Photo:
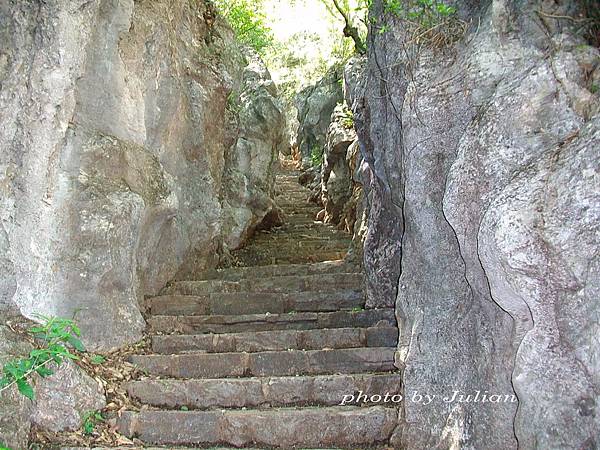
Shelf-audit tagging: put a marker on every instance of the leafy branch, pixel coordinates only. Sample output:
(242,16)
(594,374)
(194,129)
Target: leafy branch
(53,337)
(350,30)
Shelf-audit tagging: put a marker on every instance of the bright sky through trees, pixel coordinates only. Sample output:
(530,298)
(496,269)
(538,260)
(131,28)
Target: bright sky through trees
(308,38)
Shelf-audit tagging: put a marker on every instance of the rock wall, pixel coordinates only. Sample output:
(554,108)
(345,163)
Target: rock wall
(315,105)
(118,170)
(15,409)
(482,180)
(250,162)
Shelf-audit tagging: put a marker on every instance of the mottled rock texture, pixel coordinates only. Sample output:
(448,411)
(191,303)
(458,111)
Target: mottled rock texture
(15,409)
(336,174)
(250,163)
(315,105)
(118,170)
(482,179)
(63,399)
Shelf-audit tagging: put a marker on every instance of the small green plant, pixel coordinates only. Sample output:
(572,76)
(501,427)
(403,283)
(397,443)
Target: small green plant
(97,360)
(357,309)
(348,119)
(316,155)
(594,88)
(53,337)
(91,419)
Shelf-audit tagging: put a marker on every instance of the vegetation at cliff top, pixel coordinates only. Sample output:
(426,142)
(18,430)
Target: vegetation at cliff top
(248,22)
(298,39)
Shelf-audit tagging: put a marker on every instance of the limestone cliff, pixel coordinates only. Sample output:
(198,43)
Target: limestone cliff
(315,105)
(118,170)
(482,180)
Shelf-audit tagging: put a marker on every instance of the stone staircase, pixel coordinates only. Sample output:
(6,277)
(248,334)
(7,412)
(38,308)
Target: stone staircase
(261,356)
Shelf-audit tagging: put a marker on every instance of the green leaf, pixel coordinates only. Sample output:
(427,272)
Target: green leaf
(97,359)
(44,371)
(5,381)
(88,427)
(76,343)
(25,388)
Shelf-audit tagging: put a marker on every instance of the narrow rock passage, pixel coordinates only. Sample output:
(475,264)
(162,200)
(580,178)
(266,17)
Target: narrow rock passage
(301,240)
(263,355)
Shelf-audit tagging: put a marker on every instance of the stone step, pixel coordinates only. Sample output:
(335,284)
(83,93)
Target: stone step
(237,273)
(261,341)
(300,207)
(280,240)
(279,246)
(284,248)
(271,322)
(266,364)
(291,194)
(281,428)
(254,259)
(311,234)
(254,303)
(306,223)
(295,258)
(306,234)
(322,390)
(286,283)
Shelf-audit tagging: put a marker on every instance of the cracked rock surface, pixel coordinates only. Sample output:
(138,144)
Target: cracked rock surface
(125,158)
(483,192)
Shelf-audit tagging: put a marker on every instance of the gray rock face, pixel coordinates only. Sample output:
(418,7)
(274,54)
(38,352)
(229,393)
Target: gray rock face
(315,105)
(481,172)
(62,400)
(117,168)
(250,163)
(15,409)
(336,173)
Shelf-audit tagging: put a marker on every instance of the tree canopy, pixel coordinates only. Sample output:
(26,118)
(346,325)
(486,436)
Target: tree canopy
(248,22)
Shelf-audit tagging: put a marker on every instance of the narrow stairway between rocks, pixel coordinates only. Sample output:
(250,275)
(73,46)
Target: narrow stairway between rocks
(263,355)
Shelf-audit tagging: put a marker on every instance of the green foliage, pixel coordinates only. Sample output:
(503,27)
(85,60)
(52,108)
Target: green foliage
(91,419)
(3,447)
(430,22)
(316,155)
(248,22)
(55,336)
(594,88)
(97,360)
(426,12)
(348,118)
(354,14)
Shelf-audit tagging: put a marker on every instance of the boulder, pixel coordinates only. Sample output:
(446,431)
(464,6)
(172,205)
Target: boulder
(63,399)
(251,162)
(336,174)
(315,105)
